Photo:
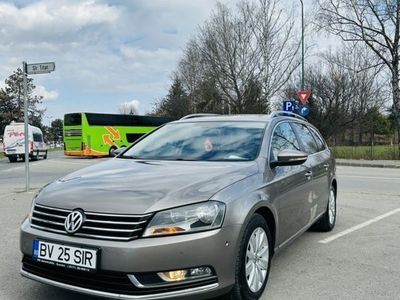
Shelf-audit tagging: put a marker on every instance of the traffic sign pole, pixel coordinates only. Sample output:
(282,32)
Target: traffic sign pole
(26,126)
(38,68)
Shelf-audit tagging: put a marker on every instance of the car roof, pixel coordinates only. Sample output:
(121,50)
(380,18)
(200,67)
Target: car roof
(240,117)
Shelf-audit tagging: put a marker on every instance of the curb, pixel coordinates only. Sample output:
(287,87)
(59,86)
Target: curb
(368,165)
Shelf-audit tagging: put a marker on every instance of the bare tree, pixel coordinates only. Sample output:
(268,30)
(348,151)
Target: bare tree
(345,87)
(240,58)
(129,107)
(376,23)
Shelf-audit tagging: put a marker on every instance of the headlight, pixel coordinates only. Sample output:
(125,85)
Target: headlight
(192,218)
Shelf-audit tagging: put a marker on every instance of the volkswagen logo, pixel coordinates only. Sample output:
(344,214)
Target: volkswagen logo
(74,221)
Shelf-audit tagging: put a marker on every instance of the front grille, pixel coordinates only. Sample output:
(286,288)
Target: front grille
(102,280)
(73,132)
(96,225)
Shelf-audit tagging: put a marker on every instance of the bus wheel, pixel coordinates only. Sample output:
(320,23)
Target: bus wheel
(111,151)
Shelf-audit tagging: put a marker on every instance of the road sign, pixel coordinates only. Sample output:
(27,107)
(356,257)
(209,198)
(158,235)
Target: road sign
(303,110)
(289,105)
(303,96)
(40,68)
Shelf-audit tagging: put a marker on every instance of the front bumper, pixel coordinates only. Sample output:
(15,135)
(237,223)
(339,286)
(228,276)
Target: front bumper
(215,248)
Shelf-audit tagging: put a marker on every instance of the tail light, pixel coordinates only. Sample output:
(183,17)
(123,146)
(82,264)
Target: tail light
(31,145)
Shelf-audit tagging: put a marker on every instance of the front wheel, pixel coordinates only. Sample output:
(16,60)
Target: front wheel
(253,261)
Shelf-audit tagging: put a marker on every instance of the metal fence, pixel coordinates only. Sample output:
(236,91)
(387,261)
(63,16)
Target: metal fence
(377,152)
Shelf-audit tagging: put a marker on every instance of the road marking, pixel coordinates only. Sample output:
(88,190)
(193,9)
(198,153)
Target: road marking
(6,195)
(359,226)
(370,177)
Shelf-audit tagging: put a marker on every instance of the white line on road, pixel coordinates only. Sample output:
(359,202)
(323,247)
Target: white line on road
(6,195)
(370,177)
(359,226)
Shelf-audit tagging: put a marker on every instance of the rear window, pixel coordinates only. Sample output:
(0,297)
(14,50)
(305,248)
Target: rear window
(37,137)
(72,120)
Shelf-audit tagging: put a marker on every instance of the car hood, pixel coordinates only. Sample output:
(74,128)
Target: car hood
(138,187)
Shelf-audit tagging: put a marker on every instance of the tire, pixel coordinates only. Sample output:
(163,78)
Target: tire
(45,155)
(12,159)
(111,151)
(328,220)
(245,288)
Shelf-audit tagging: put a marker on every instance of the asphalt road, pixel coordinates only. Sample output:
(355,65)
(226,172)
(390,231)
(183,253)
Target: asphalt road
(360,259)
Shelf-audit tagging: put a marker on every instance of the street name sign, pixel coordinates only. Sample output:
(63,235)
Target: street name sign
(303,96)
(40,68)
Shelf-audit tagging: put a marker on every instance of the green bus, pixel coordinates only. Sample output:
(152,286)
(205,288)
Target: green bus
(95,134)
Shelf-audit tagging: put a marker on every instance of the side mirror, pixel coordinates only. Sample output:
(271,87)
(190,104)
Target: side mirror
(118,151)
(289,158)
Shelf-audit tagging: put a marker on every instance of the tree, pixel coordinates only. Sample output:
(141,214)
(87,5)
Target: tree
(12,101)
(176,103)
(376,24)
(240,58)
(345,87)
(55,131)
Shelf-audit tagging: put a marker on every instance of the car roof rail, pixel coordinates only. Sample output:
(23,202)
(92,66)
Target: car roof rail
(280,113)
(198,116)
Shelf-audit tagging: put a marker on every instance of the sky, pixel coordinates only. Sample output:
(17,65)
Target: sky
(107,53)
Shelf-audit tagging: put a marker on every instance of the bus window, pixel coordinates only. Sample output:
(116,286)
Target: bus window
(72,119)
(131,137)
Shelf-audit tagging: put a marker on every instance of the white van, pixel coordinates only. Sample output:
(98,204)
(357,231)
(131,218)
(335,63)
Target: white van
(14,142)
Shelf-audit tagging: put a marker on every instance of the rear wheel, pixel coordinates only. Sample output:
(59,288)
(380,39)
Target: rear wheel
(328,220)
(45,155)
(253,261)
(12,159)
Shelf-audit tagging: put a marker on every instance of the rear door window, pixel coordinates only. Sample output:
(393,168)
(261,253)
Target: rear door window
(318,139)
(37,137)
(306,138)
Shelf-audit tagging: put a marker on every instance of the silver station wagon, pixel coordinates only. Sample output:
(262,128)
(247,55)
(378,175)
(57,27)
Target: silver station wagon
(194,210)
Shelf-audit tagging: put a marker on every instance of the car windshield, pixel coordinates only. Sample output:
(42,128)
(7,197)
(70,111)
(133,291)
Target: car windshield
(201,141)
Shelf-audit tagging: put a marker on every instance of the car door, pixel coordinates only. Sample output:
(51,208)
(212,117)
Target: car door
(315,164)
(321,171)
(291,184)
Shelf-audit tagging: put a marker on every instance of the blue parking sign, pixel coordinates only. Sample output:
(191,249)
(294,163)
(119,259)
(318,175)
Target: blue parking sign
(289,105)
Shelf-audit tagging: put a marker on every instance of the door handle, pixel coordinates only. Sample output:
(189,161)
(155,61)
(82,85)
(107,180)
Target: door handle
(326,166)
(308,175)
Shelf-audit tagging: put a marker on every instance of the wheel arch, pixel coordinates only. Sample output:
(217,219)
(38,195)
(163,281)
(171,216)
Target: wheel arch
(269,217)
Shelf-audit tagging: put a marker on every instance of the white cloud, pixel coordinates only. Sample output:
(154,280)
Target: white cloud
(46,95)
(128,107)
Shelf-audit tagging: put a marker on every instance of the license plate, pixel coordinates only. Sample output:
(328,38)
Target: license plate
(71,257)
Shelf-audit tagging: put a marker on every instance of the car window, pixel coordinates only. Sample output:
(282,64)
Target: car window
(201,141)
(318,139)
(283,138)
(306,138)
(37,137)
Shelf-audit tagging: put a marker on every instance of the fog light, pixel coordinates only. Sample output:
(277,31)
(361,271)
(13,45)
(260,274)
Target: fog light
(172,276)
(188,274)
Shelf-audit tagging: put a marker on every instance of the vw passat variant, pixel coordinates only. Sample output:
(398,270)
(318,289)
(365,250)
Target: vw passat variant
(195,209)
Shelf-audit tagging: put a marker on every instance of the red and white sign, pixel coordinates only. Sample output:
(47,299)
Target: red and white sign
(303,96)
